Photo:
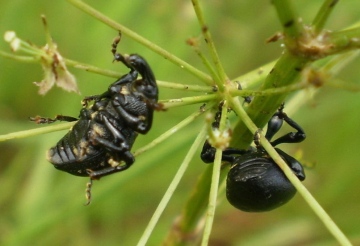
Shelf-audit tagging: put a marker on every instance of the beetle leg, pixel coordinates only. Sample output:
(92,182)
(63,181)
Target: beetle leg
(119,143)
(88,99)
(228,155)
(110,146)
(114,88)
(294,165)
(273,126)
(43,120)
(114,131)
(208,153)
(139,123)
(125,79)
(97,174)
(291,137)
(117,134)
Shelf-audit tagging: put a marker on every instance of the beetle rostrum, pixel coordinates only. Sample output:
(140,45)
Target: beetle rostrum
(255,183)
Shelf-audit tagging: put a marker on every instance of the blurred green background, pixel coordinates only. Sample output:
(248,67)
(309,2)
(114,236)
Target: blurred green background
(40,205)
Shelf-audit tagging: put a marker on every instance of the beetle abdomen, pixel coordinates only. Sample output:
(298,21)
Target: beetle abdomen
(64,158)
(258,185)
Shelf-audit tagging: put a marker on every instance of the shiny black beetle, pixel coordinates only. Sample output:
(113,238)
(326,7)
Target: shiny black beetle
(255,183)
(101,139)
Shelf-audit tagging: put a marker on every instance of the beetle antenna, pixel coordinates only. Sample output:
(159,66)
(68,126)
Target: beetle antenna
(88,192)
(115,43)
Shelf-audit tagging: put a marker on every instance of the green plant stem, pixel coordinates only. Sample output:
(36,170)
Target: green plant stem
(188,100)
(169,132)
(172,187)
(256,76)
(126,31)
(210,43)
(177,86)
(279,90)
(31,49)
(315,206)
(184,226)
(49,40)
(323,15)
(29,59)
(68,62)
(37,131)
(292,27)
(215,180)
(208,65)
(110,73)
(343,40)
(91,68)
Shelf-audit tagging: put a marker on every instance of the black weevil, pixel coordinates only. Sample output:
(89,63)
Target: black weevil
(255,183)
(99,143)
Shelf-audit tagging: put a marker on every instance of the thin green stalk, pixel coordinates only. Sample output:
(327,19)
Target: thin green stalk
(211,45)
(215,180)
(169,133)
(92,69)
(68,62)
(256,76)
(126,31)
(337,63)
(49,40)
(110,73)
(279,90)
(30,49)
(343,85)
(185,226)
(315,206)
(186,87)
(210,212)
(207,64)
(188,100)
(37,131)
(323,15)
(29,59)
(343,40)
(172,187)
